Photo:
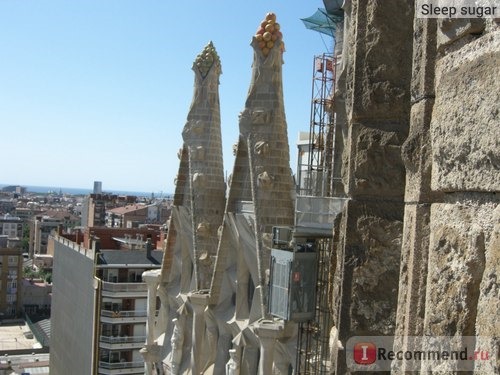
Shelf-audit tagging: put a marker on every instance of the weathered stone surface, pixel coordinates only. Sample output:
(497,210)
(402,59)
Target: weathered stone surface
(465,122)
(417,154)
(375,165)
(413,276)
(375,277)
(424,56)
(488,306)
(460,234)
(451,30)
(366,278)
(381,85)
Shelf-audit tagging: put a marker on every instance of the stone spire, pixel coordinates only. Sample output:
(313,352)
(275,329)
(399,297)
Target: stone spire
(202,136)
(200,188)
(264,133)
(261,172)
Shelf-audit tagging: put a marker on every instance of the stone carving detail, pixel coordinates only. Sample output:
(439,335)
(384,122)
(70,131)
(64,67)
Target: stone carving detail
(206,59)
(269,35)
(177,341)
(152,354)
(267,239)
(265,180)
(198,180)
(198,153)
(203,229)
(261,148)
(261,116)
(193,128)
(233,365)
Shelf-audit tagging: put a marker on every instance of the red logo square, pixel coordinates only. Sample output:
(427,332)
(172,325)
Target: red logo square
(365,353)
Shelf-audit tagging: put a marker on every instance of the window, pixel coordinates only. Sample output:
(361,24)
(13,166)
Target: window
(13,259)
(106,329)
(11,310)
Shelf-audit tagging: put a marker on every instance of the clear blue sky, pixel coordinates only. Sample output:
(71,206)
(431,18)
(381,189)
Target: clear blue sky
(100,89)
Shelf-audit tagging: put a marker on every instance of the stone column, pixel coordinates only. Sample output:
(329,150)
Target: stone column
(177,342)
(152,279)
(268,331)
(199,303)
(233,365)
(164,313)
(377,108)
(418,195)
(224,344)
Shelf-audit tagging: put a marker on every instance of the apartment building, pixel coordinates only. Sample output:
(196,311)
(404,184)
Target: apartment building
(99,305)
(95,206)
(133,215)
(40,228)
(42,225)
(11,263)
(11,226)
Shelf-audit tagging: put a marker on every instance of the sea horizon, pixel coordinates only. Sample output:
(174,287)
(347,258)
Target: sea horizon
(84,191)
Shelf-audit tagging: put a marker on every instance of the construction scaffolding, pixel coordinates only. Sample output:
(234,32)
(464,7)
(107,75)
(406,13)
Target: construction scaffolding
(316,156)
(315,179)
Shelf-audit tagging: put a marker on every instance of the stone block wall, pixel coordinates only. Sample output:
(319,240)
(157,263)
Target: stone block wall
(377,60)
(417,246)
(450,253)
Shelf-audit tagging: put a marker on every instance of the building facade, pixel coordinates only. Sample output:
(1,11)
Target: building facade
(95,206)
(11,226)
(11,263)
(41,227)
(131,216)
(99,306)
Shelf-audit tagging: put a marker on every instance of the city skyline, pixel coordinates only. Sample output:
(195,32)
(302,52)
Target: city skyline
(101,90)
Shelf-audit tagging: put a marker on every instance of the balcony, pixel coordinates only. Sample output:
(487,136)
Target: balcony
(124,290)
(122,342)
(119,365)
(124,316)
(117,368)
(124,287)
(124,313)
(123,339)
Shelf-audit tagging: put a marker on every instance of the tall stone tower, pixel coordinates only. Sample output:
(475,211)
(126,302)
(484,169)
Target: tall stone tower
(199,198)
(213,284)
(202,137)
(260,197)
(197,212)
(262,175)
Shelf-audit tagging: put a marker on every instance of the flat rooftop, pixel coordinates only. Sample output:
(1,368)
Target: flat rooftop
(16,337)
(37,363)
(131,257)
